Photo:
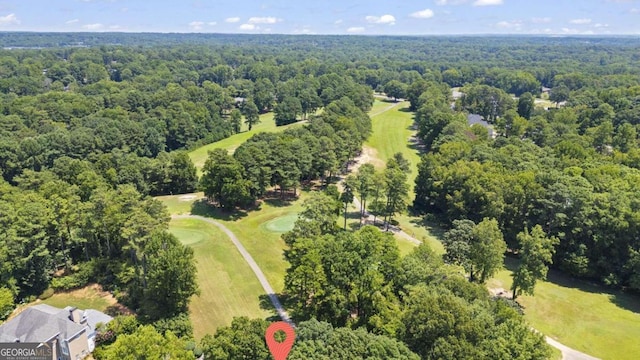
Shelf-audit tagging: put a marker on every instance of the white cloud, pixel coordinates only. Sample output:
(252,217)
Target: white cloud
(232,19)
(384,19)
(338,22)
(598,25)
(450,2)
(96,26)
(248,27)
(576,31)
(10,19)
(422,14)
(355,29)
(580,21)
(634,11)
(212,23)
(487,2)
(196,25)
(542,20)
(264,20)
(72,21)
(513,24)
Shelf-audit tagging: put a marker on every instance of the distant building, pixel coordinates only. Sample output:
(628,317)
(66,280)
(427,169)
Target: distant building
(70,332)
(475,119)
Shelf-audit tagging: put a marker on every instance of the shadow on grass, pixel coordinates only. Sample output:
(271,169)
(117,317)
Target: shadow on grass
(265,304)
(434,228)
(405,110)
(622,299)
(203,208)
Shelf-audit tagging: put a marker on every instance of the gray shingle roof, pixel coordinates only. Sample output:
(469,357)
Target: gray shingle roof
(42,322)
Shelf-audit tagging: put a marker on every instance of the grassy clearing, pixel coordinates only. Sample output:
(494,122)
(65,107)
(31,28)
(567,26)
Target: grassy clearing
(89,297)
(228,286)
(584,316)
(180,204)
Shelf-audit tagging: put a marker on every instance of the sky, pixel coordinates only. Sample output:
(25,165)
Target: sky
(373,17)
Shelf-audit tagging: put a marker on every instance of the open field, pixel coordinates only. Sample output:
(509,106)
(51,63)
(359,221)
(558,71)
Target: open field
(228,286)
(584,316)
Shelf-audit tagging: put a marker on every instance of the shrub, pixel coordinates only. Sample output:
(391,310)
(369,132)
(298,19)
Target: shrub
(47,293)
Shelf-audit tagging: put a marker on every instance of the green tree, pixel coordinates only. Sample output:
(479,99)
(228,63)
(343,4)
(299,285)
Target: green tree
(287,111)
(250,112)
(182,173)
(536,253)
(235,118)
(223,181)
(478,248)
(487,250)
(526,104)
(146,343)
(396,187)
(346,197)
(244,339)
(395,89)
(6,303)
(171,277)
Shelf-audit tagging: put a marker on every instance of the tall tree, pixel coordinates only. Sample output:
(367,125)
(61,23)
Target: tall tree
(478,248)
(526,105)
(250,112)
(487,250)
(346,198)
(287,111)
(396,186)
(171,277)
(395,89)
(536,253)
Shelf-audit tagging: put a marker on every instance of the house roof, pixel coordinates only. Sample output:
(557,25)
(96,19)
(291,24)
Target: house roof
(43,322)
(94,317)
(476,119)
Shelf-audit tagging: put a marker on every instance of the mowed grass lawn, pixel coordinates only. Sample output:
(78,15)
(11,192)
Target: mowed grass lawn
(587,317)
(228,286)
(89,297)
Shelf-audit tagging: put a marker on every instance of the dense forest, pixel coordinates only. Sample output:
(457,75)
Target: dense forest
(93,125)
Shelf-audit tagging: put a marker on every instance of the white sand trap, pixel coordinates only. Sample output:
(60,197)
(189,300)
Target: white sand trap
(187,197)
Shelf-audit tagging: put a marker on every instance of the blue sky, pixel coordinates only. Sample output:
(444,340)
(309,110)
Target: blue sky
(400,17)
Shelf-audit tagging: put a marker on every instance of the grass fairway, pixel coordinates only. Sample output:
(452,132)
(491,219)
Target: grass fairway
(392,130)
(267,124)
(586,317)
(228,286)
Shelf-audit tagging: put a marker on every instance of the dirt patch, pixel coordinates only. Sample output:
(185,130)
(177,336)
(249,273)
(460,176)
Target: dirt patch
(501,292)
(368,155)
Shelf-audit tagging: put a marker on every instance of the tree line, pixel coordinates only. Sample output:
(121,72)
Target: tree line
(567,173)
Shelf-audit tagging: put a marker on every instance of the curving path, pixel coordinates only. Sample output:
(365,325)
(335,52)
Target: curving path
(252,263)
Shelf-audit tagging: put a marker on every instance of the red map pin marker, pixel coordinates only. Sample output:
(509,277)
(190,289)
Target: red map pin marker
(280,350)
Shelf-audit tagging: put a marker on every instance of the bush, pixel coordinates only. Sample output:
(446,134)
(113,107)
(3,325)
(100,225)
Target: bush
(47,294)
(81,276)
